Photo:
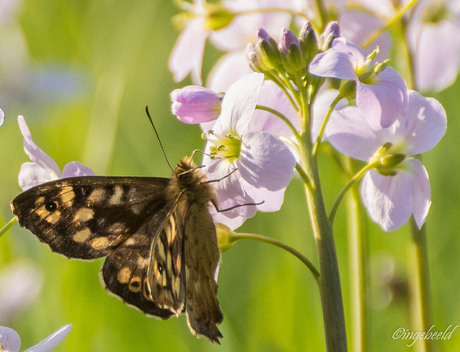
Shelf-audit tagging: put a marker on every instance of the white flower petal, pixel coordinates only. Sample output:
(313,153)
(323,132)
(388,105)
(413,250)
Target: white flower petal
(421,192)
(388,199)
(271,200)
(9,339)
(227,70)
(424,124)
(51,341)
(239,104)
(33,174)
(187,54)
(265,161)
(20,284)
(75,168)
(349,132)
(35,153)
(2,117)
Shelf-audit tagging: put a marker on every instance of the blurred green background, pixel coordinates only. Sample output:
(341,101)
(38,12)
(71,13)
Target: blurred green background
(81,73)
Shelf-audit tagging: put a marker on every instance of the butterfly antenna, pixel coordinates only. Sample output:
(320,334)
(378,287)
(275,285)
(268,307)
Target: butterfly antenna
(158,136)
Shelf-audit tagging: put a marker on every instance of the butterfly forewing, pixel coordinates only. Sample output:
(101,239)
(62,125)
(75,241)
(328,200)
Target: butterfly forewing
(201,265)
(87,217)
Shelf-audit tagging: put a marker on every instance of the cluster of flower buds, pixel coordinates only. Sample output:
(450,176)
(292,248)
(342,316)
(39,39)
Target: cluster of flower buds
(291,54)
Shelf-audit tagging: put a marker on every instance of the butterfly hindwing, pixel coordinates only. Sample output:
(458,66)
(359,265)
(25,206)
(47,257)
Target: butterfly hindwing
(166,267)
(125,272)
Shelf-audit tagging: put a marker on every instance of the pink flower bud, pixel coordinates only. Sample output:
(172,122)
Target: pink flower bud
(195,104)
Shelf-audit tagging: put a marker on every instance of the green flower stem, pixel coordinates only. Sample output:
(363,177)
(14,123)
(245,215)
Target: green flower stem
(326,119)
(251,236)
(271,10)
(329,281)
(8,225)
(282,117)
(342,193)
(359,264)
(322,13)
(421,310)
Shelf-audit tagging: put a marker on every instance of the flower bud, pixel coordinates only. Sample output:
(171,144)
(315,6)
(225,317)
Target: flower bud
(308,42)
(253,59)
(291,52)
(195,104)
(267,51)
(331,32)
(390,161)
(224,238)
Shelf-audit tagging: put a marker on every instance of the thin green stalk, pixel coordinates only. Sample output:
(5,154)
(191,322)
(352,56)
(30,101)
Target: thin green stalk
(271,10)
(321,12)
(421,309)
(330,287)
(282,117)
(390,23)
(293,251)
(359,264)
(344,190)
(8,225)
(325,121)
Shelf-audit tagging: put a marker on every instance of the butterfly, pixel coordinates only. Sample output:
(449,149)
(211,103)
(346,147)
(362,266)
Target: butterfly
(156,233)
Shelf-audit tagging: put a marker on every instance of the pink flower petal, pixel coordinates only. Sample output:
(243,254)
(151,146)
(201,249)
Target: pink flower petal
(195,104)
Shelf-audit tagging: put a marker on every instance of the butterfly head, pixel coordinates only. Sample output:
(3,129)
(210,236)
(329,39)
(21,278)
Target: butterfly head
(188,179)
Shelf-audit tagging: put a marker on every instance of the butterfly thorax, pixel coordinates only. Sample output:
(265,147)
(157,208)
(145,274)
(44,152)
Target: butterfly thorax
(190,184)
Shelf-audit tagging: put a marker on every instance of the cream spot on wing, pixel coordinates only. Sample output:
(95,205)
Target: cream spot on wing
(137,208)
(123,275)
(49,217)
(99,243)
(67,195)
(82,235)
(97,196)
(115,199)
(53,217)
(143,262)
(39,201)
(117,228)
(83,214)
(135,284)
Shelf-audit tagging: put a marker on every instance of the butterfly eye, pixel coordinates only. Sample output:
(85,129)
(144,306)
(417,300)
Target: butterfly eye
(160,268)
(51,206)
